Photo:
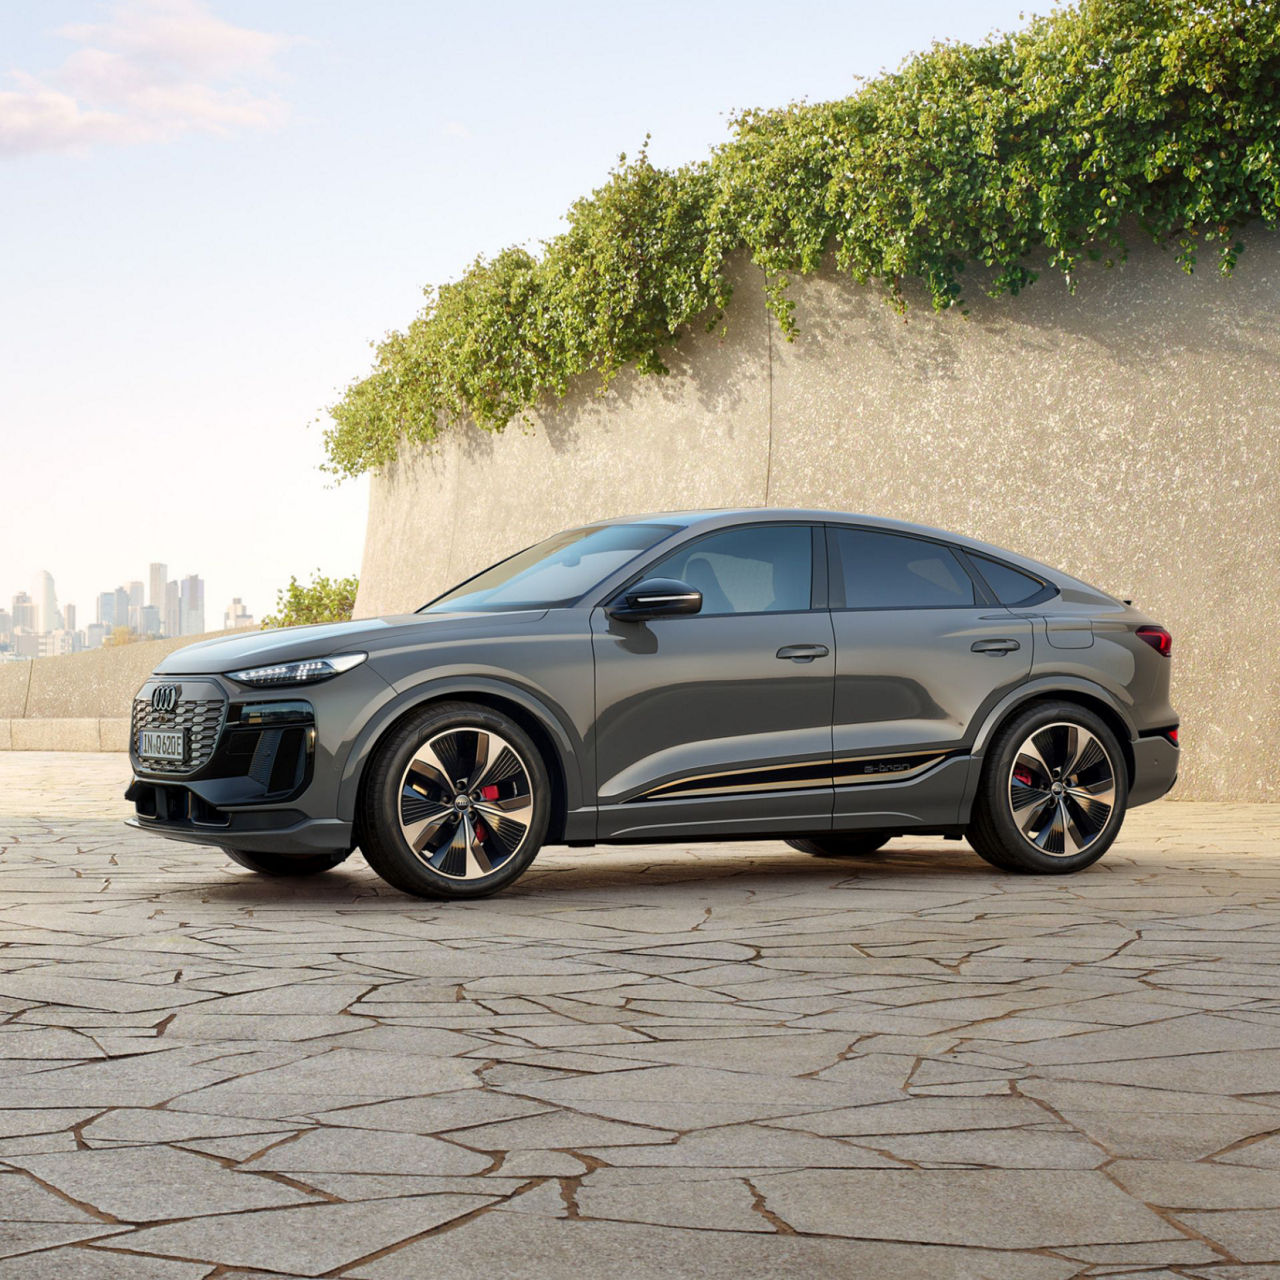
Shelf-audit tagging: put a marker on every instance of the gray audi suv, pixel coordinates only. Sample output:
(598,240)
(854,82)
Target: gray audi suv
(830,680)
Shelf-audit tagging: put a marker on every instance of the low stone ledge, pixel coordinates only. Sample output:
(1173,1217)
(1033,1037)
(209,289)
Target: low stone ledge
(15,682)
(65,734)
(98,683)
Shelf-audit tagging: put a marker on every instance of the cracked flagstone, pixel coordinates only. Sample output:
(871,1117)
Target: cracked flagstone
(715,1061)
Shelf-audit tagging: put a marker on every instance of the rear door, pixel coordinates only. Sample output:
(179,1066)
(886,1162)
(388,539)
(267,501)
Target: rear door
(922,652)
(720,722)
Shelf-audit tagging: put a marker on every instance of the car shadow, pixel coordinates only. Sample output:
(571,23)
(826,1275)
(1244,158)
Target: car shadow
(616,872)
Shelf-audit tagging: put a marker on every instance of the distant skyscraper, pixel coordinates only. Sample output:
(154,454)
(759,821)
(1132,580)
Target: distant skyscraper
(121,610)
(69,617)
(236,616)
(192,605)
(172,609)
(159,575)
(107,609)
(24,612)
(6,624)
(149,623)
(46,602)
(137,601)
(94,634)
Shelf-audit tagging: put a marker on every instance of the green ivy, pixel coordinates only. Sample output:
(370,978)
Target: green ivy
(1045,144)
(320,600)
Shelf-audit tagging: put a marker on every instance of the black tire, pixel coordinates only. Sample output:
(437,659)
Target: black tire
(1049,800)
(280,864)
(852,844)
(483,834)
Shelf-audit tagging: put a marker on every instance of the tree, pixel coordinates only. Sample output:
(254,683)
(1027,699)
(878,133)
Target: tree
(320,600)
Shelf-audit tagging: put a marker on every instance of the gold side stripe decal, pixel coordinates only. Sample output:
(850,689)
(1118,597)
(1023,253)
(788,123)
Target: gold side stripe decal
(848,772)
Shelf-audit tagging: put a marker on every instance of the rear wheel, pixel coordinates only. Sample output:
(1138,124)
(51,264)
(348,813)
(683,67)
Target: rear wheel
(279,864)
(1053,792)
(852,844)
(456,803)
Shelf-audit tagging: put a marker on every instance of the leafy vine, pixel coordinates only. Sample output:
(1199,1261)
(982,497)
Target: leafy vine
(1158,114)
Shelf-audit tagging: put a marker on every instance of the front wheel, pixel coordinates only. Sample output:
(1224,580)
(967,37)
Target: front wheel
(1053,792)
(456,804)
(279,864)
(852,844)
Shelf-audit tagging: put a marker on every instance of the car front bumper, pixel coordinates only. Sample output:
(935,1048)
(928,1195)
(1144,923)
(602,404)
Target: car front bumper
(285,831)
(263,768)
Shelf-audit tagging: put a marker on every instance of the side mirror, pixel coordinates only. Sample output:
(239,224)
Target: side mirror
(655,598)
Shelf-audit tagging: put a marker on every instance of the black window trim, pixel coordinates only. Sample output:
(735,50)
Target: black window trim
(984,597)
(818,569)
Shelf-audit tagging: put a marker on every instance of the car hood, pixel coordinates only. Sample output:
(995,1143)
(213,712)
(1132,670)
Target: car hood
(289,644)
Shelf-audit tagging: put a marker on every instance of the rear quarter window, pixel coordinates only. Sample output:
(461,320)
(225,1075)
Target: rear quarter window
(1011,586)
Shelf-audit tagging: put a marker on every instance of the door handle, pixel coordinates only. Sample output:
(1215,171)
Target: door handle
(803,652)
(994,646)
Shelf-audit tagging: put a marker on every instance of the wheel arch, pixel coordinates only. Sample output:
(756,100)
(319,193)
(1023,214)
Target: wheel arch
(558,747)
(1089,696)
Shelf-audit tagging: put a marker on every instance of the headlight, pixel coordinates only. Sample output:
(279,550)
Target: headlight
(308,671)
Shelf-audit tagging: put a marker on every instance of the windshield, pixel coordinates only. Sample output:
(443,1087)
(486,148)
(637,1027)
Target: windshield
(553,573)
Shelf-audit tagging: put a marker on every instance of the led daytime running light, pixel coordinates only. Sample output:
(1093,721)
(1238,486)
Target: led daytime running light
(306,671)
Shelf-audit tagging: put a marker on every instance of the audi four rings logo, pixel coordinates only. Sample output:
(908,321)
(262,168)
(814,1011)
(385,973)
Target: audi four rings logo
(164,697)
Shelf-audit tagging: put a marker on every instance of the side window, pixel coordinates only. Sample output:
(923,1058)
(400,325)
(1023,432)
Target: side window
(757,569)
(890,571)
(1011,586)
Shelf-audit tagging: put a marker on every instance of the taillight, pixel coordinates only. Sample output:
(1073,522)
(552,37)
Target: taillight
(1158,638)
(1172,735)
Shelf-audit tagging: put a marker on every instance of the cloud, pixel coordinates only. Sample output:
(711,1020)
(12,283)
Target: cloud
(155,69)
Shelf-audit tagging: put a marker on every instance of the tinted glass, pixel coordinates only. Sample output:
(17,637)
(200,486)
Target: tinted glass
(888,571)
(762,569)
(553,573)
(1011,586)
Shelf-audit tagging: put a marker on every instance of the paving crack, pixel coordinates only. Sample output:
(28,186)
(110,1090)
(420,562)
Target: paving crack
(758,1205)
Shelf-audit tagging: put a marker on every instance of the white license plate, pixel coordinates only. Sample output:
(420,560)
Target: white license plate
(163,744)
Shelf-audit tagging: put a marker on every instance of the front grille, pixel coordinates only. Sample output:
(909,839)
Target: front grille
(201,718)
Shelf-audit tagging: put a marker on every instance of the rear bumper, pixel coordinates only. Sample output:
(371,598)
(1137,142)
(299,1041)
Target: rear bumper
(1155,769)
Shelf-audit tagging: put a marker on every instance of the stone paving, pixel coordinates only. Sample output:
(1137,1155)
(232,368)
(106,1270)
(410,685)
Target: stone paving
(724,1061)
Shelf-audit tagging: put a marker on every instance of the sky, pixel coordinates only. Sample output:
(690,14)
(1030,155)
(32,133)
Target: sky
(209,210)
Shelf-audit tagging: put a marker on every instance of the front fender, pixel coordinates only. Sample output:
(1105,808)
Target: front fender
(553,719)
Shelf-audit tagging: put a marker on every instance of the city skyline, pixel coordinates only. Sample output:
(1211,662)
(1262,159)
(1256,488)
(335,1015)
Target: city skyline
(36,625)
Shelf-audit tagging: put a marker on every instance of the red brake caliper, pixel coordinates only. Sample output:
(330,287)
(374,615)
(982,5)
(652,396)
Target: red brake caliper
(486,793)
(1023,776)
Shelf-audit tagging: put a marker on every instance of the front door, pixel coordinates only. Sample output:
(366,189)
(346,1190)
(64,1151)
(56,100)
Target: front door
(720,722)
(919,660)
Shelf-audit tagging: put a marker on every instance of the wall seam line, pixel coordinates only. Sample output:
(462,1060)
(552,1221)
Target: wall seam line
(768,466)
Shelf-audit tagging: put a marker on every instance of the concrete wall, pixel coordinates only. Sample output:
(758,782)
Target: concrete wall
(79,702)
(1129,434)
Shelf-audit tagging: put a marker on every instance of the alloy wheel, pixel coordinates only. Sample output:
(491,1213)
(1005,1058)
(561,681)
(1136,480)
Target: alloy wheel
(1062,789)
(466,803)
